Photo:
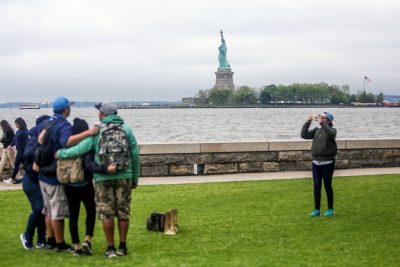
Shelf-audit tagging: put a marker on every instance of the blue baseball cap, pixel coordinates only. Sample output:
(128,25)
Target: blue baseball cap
(61,103)
(329,116)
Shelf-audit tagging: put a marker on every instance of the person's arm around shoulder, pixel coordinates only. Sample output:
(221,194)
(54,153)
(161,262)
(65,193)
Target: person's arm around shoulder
(79,149)
(74,139)
(305,133)
(134,157)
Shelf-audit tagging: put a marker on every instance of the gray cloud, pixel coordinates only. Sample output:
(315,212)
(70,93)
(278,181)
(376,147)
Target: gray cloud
(165,50)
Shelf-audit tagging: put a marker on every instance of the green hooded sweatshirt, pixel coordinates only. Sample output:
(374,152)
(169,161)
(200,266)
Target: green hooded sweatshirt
(92,142)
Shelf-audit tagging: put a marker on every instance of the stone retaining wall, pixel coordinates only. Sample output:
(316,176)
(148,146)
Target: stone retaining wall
(241,157)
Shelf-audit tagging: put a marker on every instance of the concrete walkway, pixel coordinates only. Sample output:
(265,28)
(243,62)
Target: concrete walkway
(242,177)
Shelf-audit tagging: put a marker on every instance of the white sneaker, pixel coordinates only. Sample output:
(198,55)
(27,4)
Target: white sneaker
(9,181)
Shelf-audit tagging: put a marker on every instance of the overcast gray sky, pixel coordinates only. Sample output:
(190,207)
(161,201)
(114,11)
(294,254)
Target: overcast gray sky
(164,50)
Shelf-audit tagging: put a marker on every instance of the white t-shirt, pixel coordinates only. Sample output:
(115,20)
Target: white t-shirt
(322,162)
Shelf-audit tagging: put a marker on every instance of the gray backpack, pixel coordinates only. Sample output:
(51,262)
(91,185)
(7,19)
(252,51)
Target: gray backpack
(114,146)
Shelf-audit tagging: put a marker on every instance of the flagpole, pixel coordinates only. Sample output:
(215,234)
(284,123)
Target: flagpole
(364,89)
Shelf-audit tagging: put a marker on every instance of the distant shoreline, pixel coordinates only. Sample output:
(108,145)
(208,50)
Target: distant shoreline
(227,107)
(241,107)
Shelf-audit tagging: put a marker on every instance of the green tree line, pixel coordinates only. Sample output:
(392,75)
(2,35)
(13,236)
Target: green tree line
(294,94)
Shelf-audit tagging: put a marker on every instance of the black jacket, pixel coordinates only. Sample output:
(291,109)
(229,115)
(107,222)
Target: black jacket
(324,141)
(90,166)
(7,139)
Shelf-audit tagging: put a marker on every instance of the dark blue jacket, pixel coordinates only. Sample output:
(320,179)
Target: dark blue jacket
(60,134)
(20,140)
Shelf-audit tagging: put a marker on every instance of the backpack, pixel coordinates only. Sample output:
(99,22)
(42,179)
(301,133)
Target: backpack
(44,155)
(163,222)
(70,171)
(155,222)
(114,146)
(29,151)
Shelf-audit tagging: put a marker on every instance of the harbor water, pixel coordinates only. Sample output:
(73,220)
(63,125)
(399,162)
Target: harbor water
(234,124)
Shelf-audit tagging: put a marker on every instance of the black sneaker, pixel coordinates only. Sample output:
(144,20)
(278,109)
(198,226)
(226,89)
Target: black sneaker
(17,181)
(51,243)
(111,252)
(64,247)
(87,247)
(122,251)
(51,246)
(78,252)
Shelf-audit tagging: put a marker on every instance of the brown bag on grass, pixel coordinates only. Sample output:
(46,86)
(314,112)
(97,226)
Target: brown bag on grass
(171,222)
(163,222)
(70,171)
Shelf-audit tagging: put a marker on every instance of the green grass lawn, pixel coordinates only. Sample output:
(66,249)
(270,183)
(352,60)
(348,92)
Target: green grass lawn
(262,223)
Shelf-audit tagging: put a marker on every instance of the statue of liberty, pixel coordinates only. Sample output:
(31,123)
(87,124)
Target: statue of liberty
(223,62)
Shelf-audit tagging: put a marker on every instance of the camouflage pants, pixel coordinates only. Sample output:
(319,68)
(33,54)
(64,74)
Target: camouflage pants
(113,199)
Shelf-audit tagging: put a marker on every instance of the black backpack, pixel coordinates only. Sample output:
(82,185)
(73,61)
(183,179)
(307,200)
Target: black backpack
(155,222)
(44,155)
(29,151)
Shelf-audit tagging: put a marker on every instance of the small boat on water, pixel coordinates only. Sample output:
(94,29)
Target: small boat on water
(29,106)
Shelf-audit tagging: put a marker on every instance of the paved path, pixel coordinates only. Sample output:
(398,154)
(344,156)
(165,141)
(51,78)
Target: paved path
(242,177)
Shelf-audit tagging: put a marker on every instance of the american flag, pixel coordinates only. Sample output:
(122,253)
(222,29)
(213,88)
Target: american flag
(367,79)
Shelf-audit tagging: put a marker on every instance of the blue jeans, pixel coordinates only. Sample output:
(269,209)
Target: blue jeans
(36,218)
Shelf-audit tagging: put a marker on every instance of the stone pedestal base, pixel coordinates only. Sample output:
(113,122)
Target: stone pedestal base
(224,79)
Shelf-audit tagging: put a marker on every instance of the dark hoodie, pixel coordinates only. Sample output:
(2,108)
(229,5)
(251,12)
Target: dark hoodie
(30,148)
(21,136)
(20,140)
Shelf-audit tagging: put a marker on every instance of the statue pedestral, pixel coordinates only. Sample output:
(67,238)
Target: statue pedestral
(224,79)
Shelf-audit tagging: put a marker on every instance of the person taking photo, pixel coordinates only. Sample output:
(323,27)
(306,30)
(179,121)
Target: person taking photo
(323,151)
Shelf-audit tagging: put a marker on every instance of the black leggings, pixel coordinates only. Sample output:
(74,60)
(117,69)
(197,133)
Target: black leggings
(323,172)
(76,195)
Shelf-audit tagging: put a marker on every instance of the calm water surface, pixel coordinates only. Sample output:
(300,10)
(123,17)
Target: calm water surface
(208,125)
